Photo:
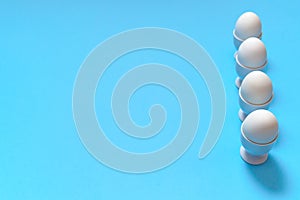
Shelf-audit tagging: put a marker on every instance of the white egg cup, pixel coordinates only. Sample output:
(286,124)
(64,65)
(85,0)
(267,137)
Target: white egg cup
(255,153)
(247,107)
(242,71)
(236,40)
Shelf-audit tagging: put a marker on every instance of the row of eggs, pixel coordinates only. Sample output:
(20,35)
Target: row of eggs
(259,130)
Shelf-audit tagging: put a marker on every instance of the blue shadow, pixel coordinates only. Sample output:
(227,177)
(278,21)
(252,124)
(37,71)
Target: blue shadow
(270,175)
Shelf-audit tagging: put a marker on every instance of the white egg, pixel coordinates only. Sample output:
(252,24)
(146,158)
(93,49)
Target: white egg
(260,126)
(252,53)
(248,25)
(256,88)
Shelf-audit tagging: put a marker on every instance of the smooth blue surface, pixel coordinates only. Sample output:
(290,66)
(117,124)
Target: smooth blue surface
(42,45)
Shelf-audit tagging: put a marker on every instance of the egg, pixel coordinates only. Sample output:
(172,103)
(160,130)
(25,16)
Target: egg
(259,132)
(252,53)
(260,127)
(256,88)
(248,25)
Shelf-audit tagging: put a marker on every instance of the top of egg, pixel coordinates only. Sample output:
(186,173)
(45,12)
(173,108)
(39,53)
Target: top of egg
(248,25)
(252,53)
(256,88)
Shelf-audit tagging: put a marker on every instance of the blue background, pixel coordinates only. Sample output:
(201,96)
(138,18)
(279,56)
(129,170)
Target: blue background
(42,45)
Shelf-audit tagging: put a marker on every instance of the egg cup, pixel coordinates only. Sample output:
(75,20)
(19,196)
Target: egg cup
(255,153)
(247,107)
(238,41)
(242,71)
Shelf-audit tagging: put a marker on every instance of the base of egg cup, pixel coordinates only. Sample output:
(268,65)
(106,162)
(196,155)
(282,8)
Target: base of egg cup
(238,82)
(242,115)
(243,71)
(235,54)
(252,159)
(247,107)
